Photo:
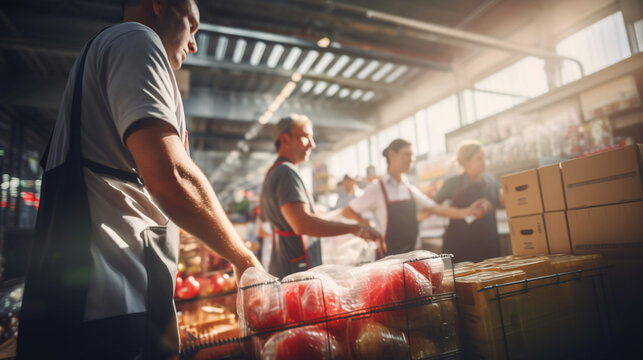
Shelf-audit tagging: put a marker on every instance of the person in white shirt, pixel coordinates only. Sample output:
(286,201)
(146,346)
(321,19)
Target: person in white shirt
(118,180)
(395,203)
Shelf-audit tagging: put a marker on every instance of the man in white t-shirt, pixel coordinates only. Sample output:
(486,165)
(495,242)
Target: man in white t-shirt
(133,132)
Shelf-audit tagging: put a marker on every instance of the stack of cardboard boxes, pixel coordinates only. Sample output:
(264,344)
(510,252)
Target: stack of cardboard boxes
(587,205)
(594,205)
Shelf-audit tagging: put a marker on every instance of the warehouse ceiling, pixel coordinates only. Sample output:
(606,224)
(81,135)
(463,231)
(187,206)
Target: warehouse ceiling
(339,62)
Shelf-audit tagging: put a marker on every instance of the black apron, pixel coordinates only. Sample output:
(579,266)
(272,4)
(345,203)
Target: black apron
(401,224)
(292,253)
(60,265)
(475,241)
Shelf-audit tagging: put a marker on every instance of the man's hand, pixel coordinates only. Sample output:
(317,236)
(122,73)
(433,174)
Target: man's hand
(251,261)
(369,234)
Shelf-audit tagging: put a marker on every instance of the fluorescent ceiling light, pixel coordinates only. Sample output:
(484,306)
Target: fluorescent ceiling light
(202,41)
(338,65)
(306,86)
(257,53)
(239,50)
(292,57)
(321,85)
(379,74)
(344,93)
(368,69)
(275,55)
(368,96)
(332,90)
(396,74)
(323,62)
(222,44)
(308,61)
(357,94)
(356,64)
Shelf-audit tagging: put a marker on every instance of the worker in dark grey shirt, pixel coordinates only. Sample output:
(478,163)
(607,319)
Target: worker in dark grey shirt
(475,240)
(288,205)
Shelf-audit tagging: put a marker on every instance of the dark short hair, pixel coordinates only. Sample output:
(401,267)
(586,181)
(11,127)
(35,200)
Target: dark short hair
(395,145)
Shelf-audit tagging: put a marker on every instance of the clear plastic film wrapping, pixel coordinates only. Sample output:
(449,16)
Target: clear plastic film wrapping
(399,307)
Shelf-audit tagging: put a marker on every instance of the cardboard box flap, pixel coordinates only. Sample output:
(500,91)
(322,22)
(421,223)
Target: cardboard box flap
(603,178)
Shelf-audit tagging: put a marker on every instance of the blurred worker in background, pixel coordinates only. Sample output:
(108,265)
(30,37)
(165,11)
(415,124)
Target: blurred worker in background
(478,239)
(289,207)
(347,191)
(396,203)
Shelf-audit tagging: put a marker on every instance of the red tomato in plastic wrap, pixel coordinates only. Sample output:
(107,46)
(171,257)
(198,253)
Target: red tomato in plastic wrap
(389,285)
(432,269)
(309,343)
(314,299)
(264,306)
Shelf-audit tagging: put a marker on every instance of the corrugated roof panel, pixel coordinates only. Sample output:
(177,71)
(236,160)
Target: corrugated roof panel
(368,69)
(291,59)
(222,45)
(353,67)
(323,62)
(275,55)
(257,53)
(239,50)
(379,74)
(308,61)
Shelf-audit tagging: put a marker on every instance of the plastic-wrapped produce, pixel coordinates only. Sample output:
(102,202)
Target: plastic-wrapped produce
(310,296)
(308,342)
(372,340)
(261,303)
(363,312)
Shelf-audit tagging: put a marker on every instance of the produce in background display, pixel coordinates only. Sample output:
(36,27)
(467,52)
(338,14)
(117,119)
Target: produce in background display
(363,312)
(186,288)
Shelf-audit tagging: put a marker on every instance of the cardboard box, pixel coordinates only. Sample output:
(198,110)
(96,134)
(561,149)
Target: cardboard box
(551,188)
(482,328)
(522,193)
(604,178)
(557,233)
(528,236)
(614,228)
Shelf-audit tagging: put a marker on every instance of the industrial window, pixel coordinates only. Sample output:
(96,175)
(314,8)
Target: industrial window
(596,47)
(422,130)
(443,117)
(506,88)
(407,131)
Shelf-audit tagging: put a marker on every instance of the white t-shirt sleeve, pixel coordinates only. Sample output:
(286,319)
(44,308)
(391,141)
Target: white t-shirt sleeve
(422,201)
(139,80)
(368,200)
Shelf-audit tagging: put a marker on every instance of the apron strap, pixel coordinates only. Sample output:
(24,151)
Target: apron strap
(109,171)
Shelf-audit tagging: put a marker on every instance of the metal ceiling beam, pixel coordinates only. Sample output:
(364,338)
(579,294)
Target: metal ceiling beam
(211,63)
(333,47)
(209,103)
(465,36)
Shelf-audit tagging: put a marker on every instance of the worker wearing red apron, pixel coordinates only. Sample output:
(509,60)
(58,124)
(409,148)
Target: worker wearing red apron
(291,252)
(287,204)
(473,240)
(395,204)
